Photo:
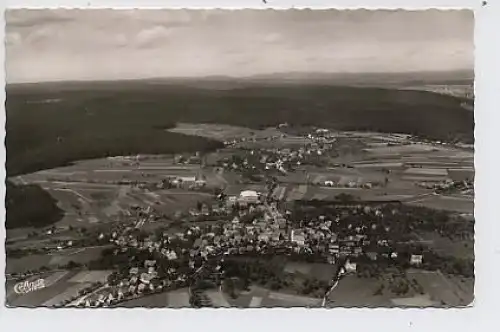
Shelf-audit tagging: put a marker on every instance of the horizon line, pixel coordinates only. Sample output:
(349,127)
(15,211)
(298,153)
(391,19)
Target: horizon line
(246,77)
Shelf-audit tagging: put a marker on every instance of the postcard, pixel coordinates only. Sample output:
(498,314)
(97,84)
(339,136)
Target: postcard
(182,158)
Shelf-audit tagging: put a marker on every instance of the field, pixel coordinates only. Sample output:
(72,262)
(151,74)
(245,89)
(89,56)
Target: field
(222,132)
(259,297)
(439,290)
(90,276)
(174,299)
(68,293)
(275,299)
(461,174)
(445,246)
(462,204)
(217,299)
(32,262)
(449,291)
(88,191)
(418,301)
(25,263)
(324,272)
(355,292)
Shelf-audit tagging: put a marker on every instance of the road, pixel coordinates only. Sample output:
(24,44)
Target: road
(419,198)
(75,193)
(323,303)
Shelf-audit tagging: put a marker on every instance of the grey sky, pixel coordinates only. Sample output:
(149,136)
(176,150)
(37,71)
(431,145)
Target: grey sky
(47,45)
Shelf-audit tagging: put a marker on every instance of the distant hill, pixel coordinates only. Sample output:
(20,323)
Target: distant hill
(303,78)
(371,79)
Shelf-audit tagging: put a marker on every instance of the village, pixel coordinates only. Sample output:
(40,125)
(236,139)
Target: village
(256,228)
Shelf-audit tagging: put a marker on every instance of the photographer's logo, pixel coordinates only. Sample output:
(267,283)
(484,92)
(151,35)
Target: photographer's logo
(26,287)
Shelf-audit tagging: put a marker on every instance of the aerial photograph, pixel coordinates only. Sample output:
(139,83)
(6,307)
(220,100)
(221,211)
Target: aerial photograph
(239,158)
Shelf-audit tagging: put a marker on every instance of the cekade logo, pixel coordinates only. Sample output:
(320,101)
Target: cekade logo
(25,287)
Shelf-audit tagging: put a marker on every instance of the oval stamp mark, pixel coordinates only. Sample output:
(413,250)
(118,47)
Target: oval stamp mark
(25,287)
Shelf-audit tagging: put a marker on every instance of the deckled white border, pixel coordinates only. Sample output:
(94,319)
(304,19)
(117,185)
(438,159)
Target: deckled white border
(481,317)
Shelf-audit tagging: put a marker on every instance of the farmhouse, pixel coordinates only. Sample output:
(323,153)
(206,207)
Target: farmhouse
(350,267)
(185,179)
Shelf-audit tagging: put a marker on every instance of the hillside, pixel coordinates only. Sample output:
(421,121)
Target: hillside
(51,125)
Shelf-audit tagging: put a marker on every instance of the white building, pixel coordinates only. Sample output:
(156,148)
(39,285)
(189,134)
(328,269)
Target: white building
(248,196)
(350,267)
(416,259)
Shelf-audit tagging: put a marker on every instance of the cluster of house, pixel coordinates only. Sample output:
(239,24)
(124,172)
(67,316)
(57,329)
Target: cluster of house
(448,185)
(257,228)
(347,184)
(313,236)
(238,140)
(257,160)
(189,182)
(140,280)
(282,159)
(187,159)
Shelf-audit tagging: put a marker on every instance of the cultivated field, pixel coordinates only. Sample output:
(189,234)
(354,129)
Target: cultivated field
(449,291)
(262,297)
(419,301)
(438,291)
(356,292)
(222,132)
(445,246)
(175,299)
(90,192)
(324,272)
(217,299)
(462,204)
(59,258)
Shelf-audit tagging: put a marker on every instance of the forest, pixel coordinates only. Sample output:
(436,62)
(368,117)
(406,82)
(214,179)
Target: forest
(30,206)
(52,125)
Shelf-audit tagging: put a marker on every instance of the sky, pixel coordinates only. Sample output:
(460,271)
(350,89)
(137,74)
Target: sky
(104,44)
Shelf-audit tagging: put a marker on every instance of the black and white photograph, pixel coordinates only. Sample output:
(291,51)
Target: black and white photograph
(182,158)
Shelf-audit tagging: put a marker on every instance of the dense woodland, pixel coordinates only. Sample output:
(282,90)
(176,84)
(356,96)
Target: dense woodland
(52,125)
(30,206)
